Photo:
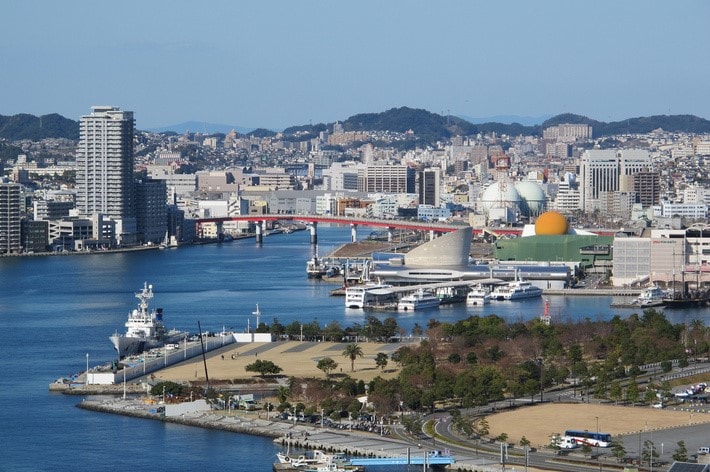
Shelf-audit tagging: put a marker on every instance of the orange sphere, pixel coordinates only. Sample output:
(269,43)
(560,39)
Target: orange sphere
(551,223)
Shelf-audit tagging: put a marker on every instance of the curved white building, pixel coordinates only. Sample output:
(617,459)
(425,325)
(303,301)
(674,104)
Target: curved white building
(449,250)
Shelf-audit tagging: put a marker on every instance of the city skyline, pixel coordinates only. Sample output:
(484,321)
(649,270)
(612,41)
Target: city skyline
(275,64)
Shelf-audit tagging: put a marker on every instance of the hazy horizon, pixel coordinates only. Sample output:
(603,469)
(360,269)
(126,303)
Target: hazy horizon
(275,64)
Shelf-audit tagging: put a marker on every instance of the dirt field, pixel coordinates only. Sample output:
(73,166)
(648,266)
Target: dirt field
(537,423)
(295,358)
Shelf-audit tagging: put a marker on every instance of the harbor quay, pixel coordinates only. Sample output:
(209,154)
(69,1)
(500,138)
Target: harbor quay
(290,435)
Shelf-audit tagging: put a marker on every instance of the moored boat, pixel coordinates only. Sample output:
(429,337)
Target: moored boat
(478,295)
(144,328)
(418,300)
(652,296)
(516,290)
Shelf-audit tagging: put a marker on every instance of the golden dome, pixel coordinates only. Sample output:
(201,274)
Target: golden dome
(551,223)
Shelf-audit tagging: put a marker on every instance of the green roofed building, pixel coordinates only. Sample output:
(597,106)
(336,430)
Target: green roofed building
(592,253)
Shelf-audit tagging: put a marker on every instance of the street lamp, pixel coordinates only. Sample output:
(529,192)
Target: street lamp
(598,457)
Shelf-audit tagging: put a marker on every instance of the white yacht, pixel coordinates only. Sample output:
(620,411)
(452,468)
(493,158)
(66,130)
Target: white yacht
(417,301)
(360,296)
(478,295)
(652,296)
(516,290)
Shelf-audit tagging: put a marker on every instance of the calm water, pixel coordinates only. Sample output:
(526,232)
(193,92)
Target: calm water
(55,310)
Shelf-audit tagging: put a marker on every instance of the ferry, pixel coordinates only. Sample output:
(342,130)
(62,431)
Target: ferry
(418,300)
(478,295)
(652,296)
(516,290)
(360,296)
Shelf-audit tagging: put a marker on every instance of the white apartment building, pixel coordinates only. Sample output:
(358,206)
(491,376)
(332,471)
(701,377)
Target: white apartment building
(104,161)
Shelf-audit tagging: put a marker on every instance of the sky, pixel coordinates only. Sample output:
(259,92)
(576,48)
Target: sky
(275,64)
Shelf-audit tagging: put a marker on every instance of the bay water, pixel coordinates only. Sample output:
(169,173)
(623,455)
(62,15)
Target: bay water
(57,312)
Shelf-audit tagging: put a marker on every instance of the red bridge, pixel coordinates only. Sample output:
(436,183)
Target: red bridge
(313,220)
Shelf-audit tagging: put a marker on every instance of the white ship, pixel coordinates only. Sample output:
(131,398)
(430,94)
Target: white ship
(652,296)
(516,290)
(360,296)
(478,295)
(144,328)
(418,301)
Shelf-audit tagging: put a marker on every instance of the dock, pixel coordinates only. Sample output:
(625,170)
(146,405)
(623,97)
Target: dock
(107,376)
(433,458)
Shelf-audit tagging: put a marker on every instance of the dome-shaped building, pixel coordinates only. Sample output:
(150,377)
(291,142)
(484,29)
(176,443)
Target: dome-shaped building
(493,197)
(533,197)
(551,223)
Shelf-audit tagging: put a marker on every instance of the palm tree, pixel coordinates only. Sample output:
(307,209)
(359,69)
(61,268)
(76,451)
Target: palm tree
(352,351)
(282,393)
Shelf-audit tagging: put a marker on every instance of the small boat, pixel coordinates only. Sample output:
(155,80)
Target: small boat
(478,295)
(418,300)
(315,461)
(144,328)
(516,290)
(652,296)
(315,268)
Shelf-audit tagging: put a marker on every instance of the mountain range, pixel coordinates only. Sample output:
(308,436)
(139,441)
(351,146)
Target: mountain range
(427,127)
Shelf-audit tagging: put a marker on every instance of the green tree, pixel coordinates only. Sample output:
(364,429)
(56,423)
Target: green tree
(649,452)
(282,394)
(632,391)
(412,424)
(586,449)
(615,391)
(263,367)
(617,448)
(649,395)
(332,331)
(681,452)
(524,442)
(483,428)
(381,360)
(352,351)
(327,365)
(454,358)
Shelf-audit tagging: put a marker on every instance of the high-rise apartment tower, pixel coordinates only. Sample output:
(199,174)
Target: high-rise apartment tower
(105,163)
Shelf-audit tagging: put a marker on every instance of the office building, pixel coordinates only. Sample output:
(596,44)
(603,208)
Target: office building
(151,211)
(609,170)
(429,193)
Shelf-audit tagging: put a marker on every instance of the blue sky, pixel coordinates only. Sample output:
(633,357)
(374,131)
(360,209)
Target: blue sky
(274,64)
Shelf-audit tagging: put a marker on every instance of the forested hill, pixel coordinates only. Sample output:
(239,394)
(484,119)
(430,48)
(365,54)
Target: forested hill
(640,125)
(430,127)
(427,127)
(35,128)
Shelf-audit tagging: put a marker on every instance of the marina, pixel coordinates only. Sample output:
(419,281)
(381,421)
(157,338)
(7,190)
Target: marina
(218,285)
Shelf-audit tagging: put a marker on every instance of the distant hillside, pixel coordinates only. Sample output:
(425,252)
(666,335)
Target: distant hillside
(200,127)
(427,127)
(24,126)
(507,119)
(672,123)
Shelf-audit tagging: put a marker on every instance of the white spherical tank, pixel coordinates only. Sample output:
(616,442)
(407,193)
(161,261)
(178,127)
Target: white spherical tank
(493,197)
(533,196)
